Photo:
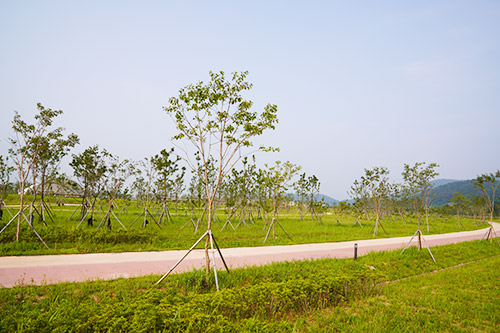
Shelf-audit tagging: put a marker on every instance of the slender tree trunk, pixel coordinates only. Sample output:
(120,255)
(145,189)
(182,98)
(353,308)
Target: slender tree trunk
(42,214)
(207,242)
(21,207)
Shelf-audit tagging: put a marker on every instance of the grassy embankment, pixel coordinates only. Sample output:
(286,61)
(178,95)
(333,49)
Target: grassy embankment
(382,291)
(63,235)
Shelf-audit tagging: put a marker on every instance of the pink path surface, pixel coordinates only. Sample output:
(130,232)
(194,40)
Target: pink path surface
(23,270)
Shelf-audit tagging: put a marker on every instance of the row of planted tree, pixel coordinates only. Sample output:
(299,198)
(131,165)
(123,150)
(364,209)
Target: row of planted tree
(244,192)
(37,151)
(216,127)
(376,193)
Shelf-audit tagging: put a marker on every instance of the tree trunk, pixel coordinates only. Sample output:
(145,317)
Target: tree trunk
(207,243)
(21,207)
(42,214)
(427,217)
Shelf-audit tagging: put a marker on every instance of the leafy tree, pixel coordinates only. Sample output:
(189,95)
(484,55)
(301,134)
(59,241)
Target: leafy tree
(144,188)
(170,180)
(278,179)
(230,192)
(239,189)
(5,171)
(217,122)
(139,188)
(460,202)
(197,189)
(359,193)
(376,181)
(418,181)
(306,189)
(52,147)
(342,207)
(478,208)
(400,199)
(300,188)
(262,194)
(487,184)
(26,147)
(90,168)
(118,171)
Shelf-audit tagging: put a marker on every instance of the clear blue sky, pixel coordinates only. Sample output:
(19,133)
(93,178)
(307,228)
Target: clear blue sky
(358,84)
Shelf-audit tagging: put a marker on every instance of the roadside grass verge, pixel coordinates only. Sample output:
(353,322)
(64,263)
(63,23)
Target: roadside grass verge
(462,299)
(311,295)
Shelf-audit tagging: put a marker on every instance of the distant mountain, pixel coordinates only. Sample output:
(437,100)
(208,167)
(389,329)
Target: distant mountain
(444,193)
(328,200)
(440,182)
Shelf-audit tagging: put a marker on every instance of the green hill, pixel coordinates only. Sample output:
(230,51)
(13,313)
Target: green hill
(444,192)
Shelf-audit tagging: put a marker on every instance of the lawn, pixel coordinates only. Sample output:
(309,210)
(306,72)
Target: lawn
(382,291)
(65,234)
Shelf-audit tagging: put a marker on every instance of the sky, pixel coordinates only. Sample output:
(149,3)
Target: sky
(358,84)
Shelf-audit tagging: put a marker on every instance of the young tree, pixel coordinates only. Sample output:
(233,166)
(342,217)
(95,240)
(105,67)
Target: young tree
(278,179)
(230,192)
(5,171)
(170,177)
(426,187)
(90,169)
(246,185)
(118,171)
(197,190)
(144,188)
(314,186)
(376,181)
(262,194)
(487,184)
(418,182)
(238,190)
(400,199)
(359,193)
(52,147)
(478,208)
(300,188)
(460,202)
(25,148)
(217,122)
(306,189)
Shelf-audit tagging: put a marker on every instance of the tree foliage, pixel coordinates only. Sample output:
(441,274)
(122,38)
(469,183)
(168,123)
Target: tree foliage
(488,184)
(216,120)
(418,182)
(26,147)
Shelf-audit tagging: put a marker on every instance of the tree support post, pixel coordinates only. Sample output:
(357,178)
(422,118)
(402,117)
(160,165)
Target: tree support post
(31,226)
(209,234)
(420,238)
(272,225)
(489,234)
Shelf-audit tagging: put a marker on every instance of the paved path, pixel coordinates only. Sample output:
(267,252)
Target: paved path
(82,267)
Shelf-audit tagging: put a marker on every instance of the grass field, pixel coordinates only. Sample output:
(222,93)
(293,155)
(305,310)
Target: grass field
(63,235)
(463,298)
(381,291)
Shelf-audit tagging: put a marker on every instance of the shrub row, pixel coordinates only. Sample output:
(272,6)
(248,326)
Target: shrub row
(256,307)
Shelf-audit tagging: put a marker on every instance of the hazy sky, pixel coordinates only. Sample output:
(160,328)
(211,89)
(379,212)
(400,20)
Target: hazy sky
(358,84)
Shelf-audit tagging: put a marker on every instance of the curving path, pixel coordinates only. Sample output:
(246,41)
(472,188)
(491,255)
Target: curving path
(23,270)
